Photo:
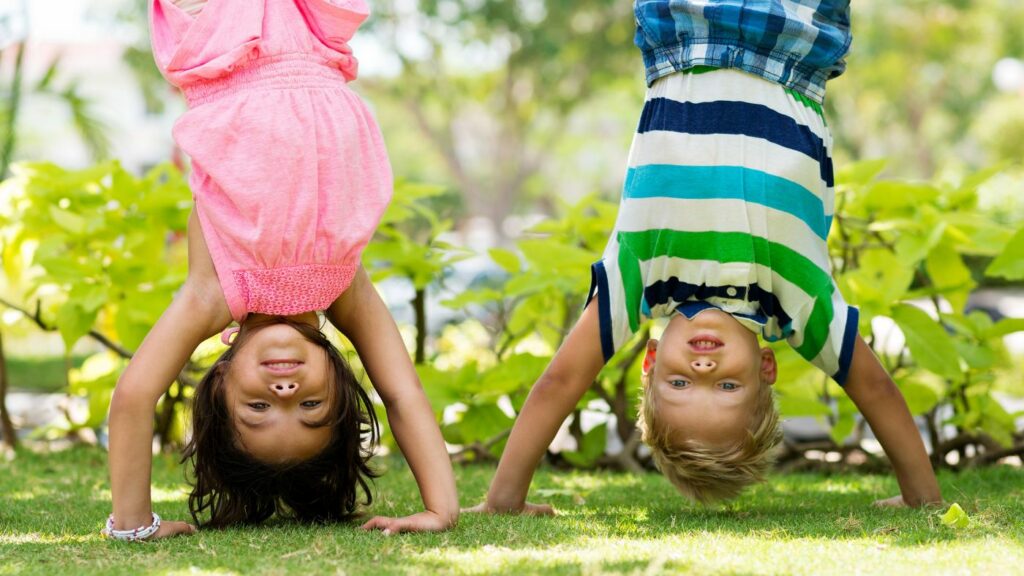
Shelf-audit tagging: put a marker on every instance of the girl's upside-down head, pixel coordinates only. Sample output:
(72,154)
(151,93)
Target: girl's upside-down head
(280,424)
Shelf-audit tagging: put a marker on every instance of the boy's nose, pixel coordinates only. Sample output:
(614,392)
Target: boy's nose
(284,389)
(703,365)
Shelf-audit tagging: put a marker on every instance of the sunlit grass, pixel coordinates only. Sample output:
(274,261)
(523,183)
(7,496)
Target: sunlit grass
(52,508)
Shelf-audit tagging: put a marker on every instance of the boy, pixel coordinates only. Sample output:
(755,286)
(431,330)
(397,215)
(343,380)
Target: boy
(722,229)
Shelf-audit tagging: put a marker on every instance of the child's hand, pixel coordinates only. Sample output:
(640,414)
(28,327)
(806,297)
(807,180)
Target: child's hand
(899,502)
(894,502)
(170,528)
(527,508)
(425,521)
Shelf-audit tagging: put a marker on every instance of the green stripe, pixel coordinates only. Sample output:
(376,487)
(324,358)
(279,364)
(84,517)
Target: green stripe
(727,247)
(796,95)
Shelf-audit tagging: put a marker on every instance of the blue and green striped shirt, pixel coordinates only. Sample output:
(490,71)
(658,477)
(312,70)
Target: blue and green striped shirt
(728,201)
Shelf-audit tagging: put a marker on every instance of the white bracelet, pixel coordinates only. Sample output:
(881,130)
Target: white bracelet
(133,535)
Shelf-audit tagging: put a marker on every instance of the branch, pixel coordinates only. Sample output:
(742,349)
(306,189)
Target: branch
(38,319)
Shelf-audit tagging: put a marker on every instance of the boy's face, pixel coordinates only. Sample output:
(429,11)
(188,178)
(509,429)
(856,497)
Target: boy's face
(277,394)
(705,376)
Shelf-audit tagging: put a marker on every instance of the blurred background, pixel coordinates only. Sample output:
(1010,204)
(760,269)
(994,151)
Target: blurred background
(508,124)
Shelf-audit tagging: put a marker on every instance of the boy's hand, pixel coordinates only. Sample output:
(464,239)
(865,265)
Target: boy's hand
(894,502)
(527,508)
(899,502)
(425,521)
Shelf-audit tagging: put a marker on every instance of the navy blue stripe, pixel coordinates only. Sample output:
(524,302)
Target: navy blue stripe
(599,282)
(675,290)
(740,118)
(849,338)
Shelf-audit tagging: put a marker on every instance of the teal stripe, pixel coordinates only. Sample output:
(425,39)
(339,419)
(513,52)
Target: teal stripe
(728,183)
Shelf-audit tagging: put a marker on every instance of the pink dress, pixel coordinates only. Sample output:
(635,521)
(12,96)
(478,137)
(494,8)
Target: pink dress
(289,171)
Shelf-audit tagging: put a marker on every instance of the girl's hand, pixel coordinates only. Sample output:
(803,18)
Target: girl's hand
(526,508)
(171,528)
(425,521)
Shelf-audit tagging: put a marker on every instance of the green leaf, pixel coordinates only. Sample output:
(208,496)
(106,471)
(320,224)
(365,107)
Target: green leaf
(1004,327)
(920,396)
(591,448)
(790,405)
(1010,264)
(67,221)
(508,260)
(949,275)
(929,343)
(955,517)
(895,194)
(860,173)
(73,322)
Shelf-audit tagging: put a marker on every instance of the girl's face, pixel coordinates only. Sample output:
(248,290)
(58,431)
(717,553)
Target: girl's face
(278,392)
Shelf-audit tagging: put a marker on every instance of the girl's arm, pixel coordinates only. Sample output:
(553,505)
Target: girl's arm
(882,404)
(551,400)
(197,312)
(363,317)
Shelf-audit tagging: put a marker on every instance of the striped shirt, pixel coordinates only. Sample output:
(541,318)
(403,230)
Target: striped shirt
(727,202)
(797,43)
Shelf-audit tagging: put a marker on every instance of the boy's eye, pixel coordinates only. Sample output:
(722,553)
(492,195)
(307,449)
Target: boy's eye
(679,383)
(729,386)
(311,403)
(259,405)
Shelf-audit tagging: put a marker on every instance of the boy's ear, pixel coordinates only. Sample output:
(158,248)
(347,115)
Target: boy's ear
(769,368)
(649,357)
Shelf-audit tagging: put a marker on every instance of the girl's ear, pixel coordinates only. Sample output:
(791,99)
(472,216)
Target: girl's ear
(649,357)
(769,368)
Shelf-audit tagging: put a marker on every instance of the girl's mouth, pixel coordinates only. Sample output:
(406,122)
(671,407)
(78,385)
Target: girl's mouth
(285,367)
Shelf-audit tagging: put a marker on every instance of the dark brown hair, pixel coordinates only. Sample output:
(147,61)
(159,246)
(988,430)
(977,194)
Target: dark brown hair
(235,488)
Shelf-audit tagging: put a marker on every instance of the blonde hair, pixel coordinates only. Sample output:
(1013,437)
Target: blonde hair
(705,474)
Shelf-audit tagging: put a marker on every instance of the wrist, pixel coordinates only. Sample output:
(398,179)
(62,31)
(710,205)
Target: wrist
(142,532)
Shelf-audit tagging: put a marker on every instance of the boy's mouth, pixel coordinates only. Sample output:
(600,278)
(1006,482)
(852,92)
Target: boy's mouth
(705,343)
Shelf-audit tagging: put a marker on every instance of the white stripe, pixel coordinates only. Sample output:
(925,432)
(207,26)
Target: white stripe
(684,149)
(642,214)
(736,86)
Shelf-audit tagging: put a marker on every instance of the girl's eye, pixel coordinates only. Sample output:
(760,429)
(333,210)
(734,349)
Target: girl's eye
(259,405)
(730,386)
(679,383)
(311,403)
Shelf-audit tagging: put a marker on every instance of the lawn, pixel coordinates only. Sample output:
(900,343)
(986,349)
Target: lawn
(52,507)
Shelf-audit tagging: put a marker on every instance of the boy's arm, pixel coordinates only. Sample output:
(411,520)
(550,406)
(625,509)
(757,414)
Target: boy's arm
(197,312)
(551,400)
(882,404)
(363,317)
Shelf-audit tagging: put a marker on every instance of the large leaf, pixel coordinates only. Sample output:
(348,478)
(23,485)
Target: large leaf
(929,343)
(591,448)
(1010,264)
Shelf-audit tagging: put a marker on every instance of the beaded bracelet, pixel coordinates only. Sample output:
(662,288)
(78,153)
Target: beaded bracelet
(133,535)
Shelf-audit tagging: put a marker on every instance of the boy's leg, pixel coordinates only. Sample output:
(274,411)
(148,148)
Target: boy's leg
(551,400)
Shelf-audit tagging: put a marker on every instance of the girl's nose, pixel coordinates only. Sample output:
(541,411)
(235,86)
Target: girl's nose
(284,389)
(703,365)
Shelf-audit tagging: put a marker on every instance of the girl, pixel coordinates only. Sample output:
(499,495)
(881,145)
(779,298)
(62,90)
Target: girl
(290,178)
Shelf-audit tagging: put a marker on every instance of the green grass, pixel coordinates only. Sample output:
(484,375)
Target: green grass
(43,374)
(52,507)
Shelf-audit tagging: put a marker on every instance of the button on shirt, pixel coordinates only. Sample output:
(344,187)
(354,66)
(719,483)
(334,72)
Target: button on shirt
(797,43)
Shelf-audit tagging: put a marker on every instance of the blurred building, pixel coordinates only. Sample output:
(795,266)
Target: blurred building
(89,38)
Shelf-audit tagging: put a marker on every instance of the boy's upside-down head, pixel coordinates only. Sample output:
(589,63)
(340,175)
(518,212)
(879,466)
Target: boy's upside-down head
(707,410)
